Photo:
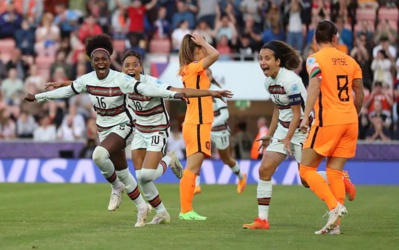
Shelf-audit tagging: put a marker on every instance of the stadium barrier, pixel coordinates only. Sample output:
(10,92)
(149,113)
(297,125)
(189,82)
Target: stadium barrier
(60,170)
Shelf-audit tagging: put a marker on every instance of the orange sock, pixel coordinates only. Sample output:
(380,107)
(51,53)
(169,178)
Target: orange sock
(187,184)
(318,185)
(336,183)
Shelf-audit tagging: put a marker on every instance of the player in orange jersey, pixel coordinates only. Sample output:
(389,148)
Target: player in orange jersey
(333,76)
(195,56)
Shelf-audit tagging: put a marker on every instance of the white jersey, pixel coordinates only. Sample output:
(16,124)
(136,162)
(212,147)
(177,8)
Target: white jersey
(286,90)
(220,112)
(149,112)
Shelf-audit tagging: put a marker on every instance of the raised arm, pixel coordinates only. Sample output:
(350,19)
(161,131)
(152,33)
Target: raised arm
(212,55)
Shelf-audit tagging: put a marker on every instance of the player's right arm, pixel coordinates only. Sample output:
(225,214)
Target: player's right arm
(56,85)
(60,93)
(212,55)
(359,94)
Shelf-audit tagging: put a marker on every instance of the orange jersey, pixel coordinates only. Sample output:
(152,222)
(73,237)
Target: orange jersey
(337,71)
(199,109)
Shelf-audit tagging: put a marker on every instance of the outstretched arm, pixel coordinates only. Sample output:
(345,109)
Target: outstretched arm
(203,92)
(56,85)
(60,93)
(154,91)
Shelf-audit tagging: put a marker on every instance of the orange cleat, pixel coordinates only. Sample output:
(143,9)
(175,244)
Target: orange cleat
(242,184)
(197,190)
(350,189)
(257,224)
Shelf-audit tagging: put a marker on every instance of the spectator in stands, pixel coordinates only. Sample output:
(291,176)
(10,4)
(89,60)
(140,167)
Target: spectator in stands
(364,123)
(245,50)
(225,51)
(384,29)
(381,67)
(25,38)
(26,125)
(251,9)
(119,23)
(378,94)
(72,126)
(45,131)
(322,8)
(34,80)
(230,12)
(205,31)
(362,56)
(178,34)
(181,14)
(368,4)
(345,35)
(384,45)
(7,126)
(276,32)
(242,142)
(395,115)
(99,10)
(10,21)
(380,121)
(294,29)
(225,27)
(89,28)
(3,69)
(207,10)
(273,14)
(66,19)
(367,30)
(162,25)
(60,63)
(48,36)
(11,86)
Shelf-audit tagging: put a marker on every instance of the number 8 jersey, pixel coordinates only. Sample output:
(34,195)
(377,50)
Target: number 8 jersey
(336,71)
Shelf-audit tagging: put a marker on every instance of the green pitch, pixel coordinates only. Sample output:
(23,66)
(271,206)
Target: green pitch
(75,216)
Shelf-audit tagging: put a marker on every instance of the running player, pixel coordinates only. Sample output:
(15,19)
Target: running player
(333,76)
(220,136)
(277,61)
(107,89)
(195,56)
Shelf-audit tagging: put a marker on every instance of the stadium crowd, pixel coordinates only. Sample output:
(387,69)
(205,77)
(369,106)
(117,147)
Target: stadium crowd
(43,40)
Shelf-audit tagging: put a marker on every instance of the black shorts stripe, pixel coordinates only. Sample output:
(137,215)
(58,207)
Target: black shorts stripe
(199,138)
(314,137)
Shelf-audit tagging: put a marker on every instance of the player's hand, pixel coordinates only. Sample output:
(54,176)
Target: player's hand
(221,94)
(304,127)
(287,144)
(198,39)
(182,96)
(265,141)
(52,85)
(30,98)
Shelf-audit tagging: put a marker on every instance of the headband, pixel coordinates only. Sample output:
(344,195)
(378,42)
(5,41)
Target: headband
(99,49)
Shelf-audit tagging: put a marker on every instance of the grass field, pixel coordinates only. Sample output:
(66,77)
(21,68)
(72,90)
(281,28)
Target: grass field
(75,216)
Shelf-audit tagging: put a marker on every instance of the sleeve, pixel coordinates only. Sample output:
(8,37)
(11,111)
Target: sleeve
(60,93)
(312,67)
(195,67)
(156,82)
(293,91)
(358,71)
(78,86)
(223,116)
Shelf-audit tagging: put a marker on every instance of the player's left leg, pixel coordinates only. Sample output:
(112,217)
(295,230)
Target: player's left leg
(232,163)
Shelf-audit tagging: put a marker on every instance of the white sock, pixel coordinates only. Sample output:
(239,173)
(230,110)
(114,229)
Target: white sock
(166,159)
(236,171)
(197,180)
(160,170)
(149,189)
(264,195)
(131,187)
(103,162)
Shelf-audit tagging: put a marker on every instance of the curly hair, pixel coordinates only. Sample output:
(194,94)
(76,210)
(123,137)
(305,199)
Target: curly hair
(289,57)
(102,41)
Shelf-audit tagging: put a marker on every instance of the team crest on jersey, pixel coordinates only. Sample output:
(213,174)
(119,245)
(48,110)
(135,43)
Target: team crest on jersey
(208,145)
(158,82)
(128,78)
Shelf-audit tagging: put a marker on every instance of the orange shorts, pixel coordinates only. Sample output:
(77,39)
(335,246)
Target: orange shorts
(197,138)
(335,141)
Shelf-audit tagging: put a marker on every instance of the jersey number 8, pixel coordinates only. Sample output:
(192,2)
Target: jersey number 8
(343,89)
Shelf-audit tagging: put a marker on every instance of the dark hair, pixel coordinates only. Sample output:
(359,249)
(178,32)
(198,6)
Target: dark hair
(134,54)
(378,83)
(99,41)
(289,57)
(384,54)
(242,126)
(325,31)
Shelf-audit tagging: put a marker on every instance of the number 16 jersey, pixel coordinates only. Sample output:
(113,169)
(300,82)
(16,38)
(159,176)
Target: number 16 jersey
(336,71)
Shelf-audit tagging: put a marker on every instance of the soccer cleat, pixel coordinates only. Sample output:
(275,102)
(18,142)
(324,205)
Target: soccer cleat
(116,198)
(257,224)
(175,164)
(333,218)
(161,218)
(142,216)
(242,184)
(334,231)
(197,190)
(191,216)
(350,189)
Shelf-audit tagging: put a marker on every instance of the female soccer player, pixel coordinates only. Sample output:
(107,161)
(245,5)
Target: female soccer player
(277,60)
(195,56)
(107,89)
(220,136)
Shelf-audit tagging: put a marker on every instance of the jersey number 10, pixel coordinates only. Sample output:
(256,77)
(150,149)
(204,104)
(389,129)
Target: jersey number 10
(343,88)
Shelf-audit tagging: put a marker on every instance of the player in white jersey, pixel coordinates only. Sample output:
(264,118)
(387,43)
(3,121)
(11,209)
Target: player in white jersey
(151,133)
(277,60)
(220,136)
(107,90)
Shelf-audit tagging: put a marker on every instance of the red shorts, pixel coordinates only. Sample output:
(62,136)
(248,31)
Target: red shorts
(336,141)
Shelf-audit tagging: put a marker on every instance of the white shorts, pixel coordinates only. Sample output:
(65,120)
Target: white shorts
(124,131)
(155,141)
(296,142)
(221,139)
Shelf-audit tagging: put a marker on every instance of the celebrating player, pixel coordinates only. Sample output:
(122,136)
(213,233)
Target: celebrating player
(333,76)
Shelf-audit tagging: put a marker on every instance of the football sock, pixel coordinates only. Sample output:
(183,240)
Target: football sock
(165,161)
(336,184)
(236,171)
(187,185)
(149,189)
(103,162)
(197,180)
(264,195)
(318,185)
(131,187)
